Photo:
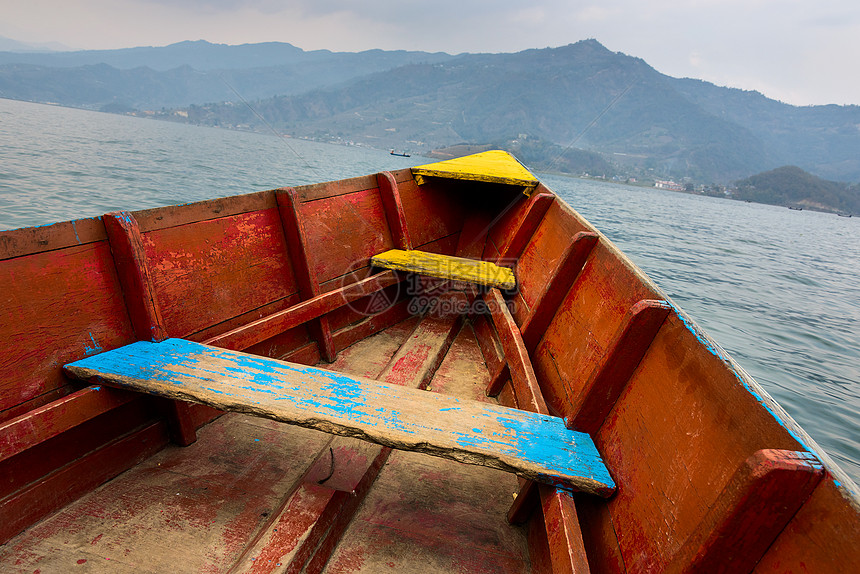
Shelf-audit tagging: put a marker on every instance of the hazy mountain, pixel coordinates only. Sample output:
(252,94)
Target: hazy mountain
(185,73)
(579,96)
(10,45)
(205,56)
(613,112)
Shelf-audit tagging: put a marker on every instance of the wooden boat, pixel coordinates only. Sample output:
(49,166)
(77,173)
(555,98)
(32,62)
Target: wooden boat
(358,309)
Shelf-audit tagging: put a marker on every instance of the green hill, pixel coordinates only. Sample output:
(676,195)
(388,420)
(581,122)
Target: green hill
(792,187)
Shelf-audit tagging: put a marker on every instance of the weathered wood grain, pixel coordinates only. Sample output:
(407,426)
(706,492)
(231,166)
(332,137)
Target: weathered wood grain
(615,367)
(534,446)
(557,286)
(761,498)
(394,210)
(48,421)
(254,332)
(299,249)
(447,267)
(526,386)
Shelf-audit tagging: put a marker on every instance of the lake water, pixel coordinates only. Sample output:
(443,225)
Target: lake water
(778,289)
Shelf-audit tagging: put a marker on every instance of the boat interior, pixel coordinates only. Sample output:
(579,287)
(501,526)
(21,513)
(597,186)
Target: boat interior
(707,469)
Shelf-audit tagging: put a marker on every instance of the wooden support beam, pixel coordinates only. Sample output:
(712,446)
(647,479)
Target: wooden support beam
(616,366)
(526,387)
(567,550)
(531,445)
(446,267)
(141,301)
(752,510)
(129,257)
(288,204)
(526,226)
(394,213)
(560,281)
(257,331)
(46,422)
(563,532)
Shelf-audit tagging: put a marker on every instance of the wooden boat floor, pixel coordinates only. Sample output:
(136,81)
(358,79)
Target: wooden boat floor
(201,508)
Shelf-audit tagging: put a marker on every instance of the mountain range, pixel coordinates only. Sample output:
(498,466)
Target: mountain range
(569,107)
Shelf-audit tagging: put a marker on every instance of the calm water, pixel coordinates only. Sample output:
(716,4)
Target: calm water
(778,289)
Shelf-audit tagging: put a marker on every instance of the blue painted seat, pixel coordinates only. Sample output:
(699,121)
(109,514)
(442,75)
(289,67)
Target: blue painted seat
(534,446)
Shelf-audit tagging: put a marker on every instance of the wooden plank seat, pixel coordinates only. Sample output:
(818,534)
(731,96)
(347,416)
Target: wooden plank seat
(534,446)
(446,267)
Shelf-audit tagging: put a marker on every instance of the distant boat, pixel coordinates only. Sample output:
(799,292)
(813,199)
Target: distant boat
(795,208)
(401,154)
(843,214)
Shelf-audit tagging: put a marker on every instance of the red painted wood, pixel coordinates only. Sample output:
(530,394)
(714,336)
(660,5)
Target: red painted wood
(206,210)
(262,329)
(344,512)
(48,421)
(564,534)
(129,256)
(560,281)
(525,226)
(528,498)
(299,249)
(432,212)
(76,479)
(211,271)
(473,237)
(344,232)
(614,369)
(815,539)
(566,549)
(585,323)
(31,240)
(61,305)
(141,302)
(394,210)
(526,387)
(752,510)
(691,404)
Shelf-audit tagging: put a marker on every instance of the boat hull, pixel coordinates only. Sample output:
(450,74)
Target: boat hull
(681,427)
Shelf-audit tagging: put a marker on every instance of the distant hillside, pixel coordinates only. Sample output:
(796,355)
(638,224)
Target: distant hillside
(611,111)
(204,56)
(792,187)
(186,73)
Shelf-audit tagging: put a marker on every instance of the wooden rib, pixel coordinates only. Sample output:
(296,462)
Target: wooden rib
(257,331)
(567,550)
(140,299)
(288,204)
(394,213)
(37,426)
(526,387)
(752,510)
(616,366)
(531,445)
(563,532)
(539,204)
(129,257)
(560,281)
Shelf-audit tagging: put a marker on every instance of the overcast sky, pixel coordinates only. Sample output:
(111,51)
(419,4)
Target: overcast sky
(798,51)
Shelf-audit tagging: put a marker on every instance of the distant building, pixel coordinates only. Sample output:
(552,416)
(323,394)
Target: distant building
(668,184)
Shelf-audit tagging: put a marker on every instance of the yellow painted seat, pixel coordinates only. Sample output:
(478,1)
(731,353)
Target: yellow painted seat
(446,267)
